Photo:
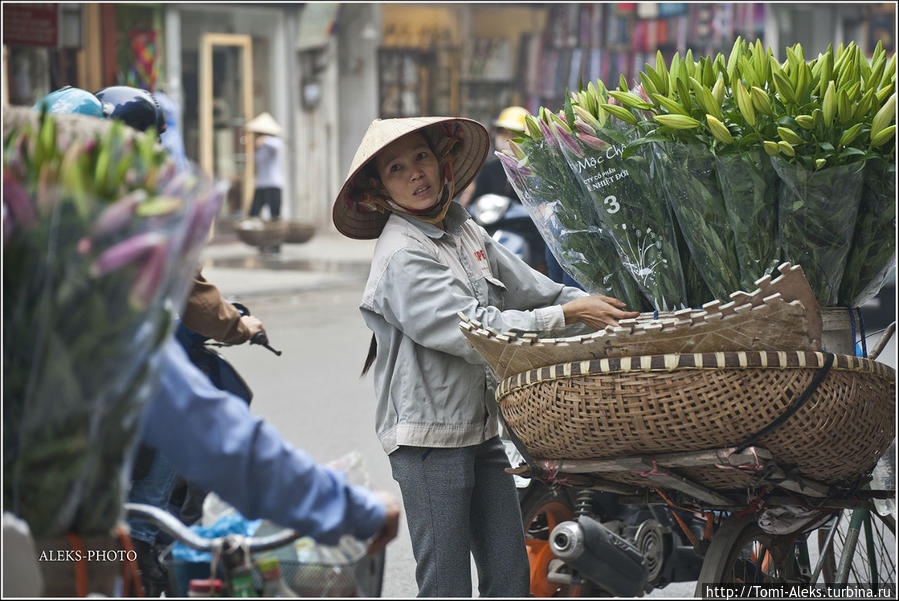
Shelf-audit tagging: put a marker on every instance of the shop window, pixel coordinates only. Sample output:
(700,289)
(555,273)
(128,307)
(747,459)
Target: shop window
(404,81)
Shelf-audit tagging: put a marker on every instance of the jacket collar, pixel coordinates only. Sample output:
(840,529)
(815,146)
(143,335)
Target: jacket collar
(456,215)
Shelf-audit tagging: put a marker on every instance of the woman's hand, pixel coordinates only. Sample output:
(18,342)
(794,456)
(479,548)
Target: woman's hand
(596,311)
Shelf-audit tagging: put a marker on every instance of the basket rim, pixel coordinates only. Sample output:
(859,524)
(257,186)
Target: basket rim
(721,360)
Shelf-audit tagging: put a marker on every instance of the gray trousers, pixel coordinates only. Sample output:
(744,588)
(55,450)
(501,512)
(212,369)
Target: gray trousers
(461,503)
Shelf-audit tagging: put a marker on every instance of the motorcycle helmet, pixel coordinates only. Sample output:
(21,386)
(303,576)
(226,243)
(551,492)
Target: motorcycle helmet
(70,100)
(134,107)
(512,119)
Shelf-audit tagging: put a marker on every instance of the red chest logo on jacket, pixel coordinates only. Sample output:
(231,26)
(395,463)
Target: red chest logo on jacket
(480,255)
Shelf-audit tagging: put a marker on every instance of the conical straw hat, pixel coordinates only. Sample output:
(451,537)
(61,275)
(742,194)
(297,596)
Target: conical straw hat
(358,222)
(264,124)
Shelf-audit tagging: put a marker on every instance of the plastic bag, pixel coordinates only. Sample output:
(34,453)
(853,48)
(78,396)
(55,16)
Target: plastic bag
(619,182)
(690,184)
(567,222)
(95,262)
(873,251)
(229,523)
(749,188)
(817,213)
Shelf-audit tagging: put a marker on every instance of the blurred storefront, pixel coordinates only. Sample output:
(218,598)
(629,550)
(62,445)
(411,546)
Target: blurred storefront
(325,70)
(229,63)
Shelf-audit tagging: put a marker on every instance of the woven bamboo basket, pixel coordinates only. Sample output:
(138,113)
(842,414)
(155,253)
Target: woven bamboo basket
(628,406)
(256,232)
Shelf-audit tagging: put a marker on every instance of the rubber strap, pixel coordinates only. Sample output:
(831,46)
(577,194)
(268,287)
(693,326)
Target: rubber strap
(794,407)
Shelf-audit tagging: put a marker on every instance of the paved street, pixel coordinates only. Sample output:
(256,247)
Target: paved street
(308,300)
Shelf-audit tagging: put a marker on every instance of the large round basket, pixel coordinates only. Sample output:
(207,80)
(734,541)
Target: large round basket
(627,406)
(256,232)
(299,232)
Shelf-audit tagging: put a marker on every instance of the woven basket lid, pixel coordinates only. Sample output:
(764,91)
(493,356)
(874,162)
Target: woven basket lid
(264,124)
(360,223)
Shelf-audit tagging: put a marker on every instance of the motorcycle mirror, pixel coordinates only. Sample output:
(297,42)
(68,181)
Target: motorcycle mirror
(487,209)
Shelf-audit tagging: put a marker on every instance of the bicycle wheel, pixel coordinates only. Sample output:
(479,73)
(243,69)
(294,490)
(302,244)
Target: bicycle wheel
(861,549)
(542,510)
(742,553)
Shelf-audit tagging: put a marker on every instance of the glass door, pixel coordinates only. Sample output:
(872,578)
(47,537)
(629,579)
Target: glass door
(226,105)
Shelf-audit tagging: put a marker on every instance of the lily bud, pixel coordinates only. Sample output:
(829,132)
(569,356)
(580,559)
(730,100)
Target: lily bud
(593,142)
(789,135)
(719,130)
(532,127)
(718,90)
(516,150)
(819,163)
(760,100)
(850,134)
(587,118)
(620,112)
(771,147)
(786,148)
(805,121)
(883,116)
(566,140)
(118,213)
(744,103)
(126,252)
(149,278)
(677,121)
(829,105)
(883,136)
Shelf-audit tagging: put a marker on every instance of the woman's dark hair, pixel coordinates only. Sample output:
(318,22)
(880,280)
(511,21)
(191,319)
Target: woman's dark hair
(372,353)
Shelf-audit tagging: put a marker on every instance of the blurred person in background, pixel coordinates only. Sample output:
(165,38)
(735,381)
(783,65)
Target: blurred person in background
(269,169)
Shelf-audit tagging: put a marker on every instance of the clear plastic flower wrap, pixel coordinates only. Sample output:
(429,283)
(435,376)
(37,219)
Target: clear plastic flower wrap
(554,200)
(619,181)
(101,237)
(749,188)
(873,252)
(817,212)
(690,185)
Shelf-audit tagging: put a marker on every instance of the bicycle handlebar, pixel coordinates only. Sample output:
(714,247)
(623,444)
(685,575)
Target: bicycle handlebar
(173,526)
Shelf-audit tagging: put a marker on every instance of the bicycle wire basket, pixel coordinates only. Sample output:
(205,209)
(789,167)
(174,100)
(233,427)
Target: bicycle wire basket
(617,407)
(361,577)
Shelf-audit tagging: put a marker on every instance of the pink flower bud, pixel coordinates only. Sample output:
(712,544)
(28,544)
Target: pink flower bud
(547,134)
(126,252)
(566,140)
(593,142)
(582,126)
(148,280)
(118,214)
(17,202)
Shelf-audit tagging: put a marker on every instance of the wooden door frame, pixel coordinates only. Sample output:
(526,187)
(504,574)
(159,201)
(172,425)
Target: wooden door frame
(245,43)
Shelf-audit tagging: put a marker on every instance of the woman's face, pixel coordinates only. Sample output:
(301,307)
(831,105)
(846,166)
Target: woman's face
(410,172)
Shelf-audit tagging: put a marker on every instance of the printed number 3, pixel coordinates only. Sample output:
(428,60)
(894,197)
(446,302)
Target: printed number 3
(612,203)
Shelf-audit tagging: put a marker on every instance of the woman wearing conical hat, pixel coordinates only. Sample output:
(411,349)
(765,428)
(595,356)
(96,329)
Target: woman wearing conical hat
(436,416)
(269,169)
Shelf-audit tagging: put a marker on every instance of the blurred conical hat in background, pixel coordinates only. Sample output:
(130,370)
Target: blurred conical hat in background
(264,124)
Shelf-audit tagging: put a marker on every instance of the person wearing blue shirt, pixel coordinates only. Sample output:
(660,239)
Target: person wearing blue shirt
(210,436)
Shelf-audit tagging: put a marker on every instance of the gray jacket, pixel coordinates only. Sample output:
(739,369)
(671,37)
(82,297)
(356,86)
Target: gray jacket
(432,388)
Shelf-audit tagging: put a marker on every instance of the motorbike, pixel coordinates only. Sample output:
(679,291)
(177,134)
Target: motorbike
(508,222)
(583,542)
